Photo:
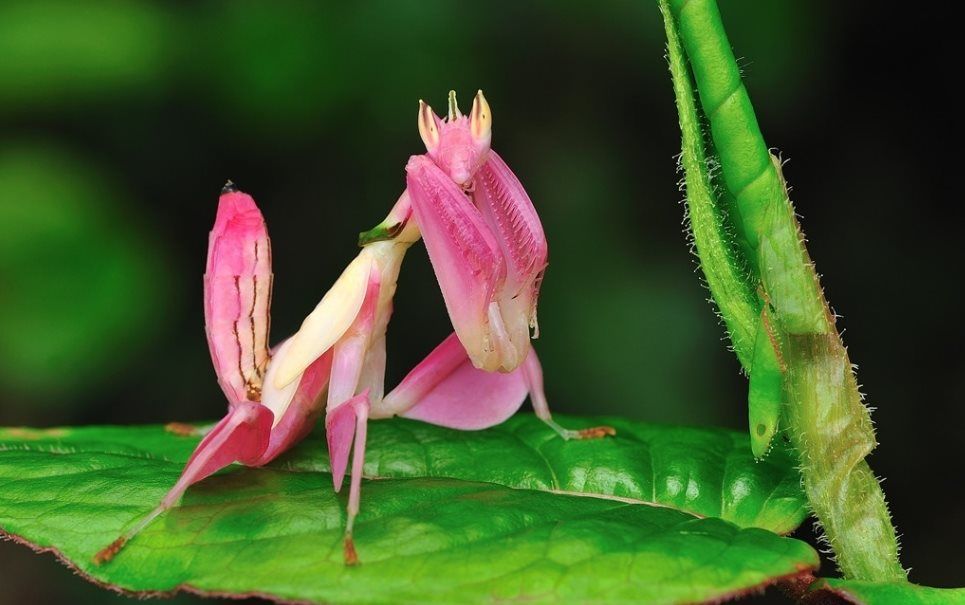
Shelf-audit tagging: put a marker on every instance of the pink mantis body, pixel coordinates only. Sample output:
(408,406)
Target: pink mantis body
(488,250)
(237,299)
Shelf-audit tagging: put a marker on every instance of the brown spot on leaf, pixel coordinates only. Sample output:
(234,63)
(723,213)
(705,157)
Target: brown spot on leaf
(28,433)
(181,429)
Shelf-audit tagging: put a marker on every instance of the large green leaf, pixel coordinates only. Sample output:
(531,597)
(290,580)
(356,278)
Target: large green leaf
(468,517)
(884,593)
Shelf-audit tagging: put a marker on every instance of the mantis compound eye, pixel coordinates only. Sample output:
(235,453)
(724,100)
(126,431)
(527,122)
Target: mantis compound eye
(428,129)
(481,119)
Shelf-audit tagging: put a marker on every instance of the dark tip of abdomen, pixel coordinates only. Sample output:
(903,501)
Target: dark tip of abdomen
(229,187)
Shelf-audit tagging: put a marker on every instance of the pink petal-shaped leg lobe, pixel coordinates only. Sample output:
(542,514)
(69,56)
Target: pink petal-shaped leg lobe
(465,257)
(340,425)
(447,390)
(237,295)
(241,436)
(306,405)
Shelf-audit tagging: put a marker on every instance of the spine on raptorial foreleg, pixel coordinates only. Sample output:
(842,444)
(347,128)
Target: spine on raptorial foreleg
(829,425)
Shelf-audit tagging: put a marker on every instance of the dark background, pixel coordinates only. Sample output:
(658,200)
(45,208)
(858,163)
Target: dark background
(119,121)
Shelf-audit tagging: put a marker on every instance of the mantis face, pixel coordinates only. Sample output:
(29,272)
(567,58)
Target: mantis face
(459,145)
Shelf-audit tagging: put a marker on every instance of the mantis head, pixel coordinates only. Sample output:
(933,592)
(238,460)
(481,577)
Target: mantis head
(459,144)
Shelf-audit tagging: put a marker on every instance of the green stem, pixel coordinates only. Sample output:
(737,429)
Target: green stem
(828,424)
(722,263)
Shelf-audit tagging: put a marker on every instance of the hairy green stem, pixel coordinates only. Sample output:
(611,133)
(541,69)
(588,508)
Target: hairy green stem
(829,425)
(722,263)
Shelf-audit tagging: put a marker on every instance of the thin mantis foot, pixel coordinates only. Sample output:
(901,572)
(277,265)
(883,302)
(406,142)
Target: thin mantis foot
(533,375)
(348,548)
(106,554)
(593,432)
(348,543)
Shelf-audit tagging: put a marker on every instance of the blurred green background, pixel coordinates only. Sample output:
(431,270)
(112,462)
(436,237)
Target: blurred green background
(119,122)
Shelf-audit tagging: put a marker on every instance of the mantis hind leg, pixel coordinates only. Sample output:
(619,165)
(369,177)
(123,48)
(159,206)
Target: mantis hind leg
(241,436)
(446,390)
(533,375)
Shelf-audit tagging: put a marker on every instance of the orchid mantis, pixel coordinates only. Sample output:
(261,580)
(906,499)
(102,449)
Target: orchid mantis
(488,251)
